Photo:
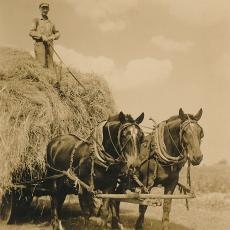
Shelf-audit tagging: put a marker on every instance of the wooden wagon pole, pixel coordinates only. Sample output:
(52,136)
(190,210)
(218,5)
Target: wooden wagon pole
(145,196)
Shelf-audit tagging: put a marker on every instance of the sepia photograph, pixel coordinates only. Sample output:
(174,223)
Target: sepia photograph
(114,114)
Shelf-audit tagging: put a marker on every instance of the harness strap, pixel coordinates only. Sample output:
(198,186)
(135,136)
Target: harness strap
(71,175)
(161,148)
(72,154)
(188,181)
(178,150)
(147,182)
(34,182)
(189,174)
(140,184)
(92,174)
(111,140)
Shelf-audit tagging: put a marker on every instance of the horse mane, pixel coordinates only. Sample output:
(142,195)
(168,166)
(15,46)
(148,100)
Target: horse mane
(128,118)
(176,117)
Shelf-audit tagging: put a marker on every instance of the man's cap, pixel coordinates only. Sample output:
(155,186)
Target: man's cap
(44,4)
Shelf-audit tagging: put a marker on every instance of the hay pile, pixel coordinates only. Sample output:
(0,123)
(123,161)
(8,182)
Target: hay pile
(32,111)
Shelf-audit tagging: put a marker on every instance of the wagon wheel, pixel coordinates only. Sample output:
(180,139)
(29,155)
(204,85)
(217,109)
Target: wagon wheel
(24,199)
(14,203)
(8,207)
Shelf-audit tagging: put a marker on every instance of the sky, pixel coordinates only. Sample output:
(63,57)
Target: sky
(157,55)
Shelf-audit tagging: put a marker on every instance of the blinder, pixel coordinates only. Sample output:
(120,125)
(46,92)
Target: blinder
(120,130)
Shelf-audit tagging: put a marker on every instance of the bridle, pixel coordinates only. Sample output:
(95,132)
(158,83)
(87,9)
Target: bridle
(120,149)
(183,125)
(161,149)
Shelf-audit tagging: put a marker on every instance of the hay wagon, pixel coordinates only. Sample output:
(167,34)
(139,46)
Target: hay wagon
(33,110)
(18,198)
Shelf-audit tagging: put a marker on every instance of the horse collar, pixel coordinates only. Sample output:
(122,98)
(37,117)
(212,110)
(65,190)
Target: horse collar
(161,150)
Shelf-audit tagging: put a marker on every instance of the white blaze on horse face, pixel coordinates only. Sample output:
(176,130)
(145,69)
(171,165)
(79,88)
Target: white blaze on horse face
(134,133)
(132,157)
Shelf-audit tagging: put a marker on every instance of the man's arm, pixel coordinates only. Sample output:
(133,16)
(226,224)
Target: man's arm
(56,34)
(33,30)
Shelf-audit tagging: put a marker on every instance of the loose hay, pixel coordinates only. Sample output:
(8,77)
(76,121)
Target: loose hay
(32,112)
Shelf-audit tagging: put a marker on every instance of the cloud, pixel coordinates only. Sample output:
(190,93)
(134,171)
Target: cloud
(107,15)
(200,12)
(167,44)
(138,73)
(100,65)
(113,15)
(141,73)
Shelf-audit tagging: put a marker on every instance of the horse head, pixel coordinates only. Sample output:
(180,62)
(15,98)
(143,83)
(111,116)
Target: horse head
(191,134)
(123,137)
(130,138)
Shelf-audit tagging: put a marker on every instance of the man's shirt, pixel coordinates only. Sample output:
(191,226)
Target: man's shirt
(43,27)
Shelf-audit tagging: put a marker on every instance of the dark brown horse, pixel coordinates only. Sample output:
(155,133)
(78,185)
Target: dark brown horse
(173,143)
(122,139)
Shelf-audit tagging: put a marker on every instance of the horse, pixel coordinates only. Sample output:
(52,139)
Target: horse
(163,154)
(122,138)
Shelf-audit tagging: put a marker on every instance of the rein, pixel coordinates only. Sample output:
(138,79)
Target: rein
(111,140)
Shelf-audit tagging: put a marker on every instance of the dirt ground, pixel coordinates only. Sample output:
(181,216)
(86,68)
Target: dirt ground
(207,212)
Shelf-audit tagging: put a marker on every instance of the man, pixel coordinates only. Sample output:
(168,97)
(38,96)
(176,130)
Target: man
(43,32)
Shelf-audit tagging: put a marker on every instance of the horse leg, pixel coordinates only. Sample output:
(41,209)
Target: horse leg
(60,201)
(55,208)
(104,212)
(83,200)
(115,206)
(140,220)
(167,206)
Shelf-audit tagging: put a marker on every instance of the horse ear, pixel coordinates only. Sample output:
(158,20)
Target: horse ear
(182,114)
(122,117)
(140,118)
(198,115)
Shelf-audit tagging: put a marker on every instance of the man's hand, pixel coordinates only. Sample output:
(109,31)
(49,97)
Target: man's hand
(44,38)
(51,38)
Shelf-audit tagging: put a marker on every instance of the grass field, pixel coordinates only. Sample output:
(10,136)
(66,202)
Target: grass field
(209,211)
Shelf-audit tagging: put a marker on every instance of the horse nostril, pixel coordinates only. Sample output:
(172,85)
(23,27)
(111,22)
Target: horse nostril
(198,158)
